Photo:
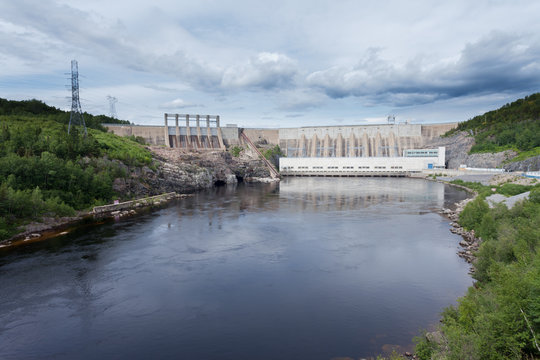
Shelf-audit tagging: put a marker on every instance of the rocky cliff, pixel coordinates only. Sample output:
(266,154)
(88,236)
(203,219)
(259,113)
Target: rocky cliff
(181,171)
(457,147)
(530,164)
(457,153)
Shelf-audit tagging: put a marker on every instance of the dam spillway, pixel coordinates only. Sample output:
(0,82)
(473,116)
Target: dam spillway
(204,132)
(359,140)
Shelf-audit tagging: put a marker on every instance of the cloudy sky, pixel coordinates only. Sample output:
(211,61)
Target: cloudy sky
(274,63)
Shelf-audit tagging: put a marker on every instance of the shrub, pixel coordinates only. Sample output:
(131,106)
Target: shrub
(236,150)
(471,217)
(534,196)
(513,189)
(423,348)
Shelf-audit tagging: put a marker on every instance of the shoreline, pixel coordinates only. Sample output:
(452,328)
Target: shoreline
(103,213)
(61,226)
(53,227)
(470,243)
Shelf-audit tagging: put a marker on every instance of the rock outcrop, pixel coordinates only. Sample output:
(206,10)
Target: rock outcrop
(180,171)
(457,147)
(489,160)
(530,164)
(457,153)
(470,242)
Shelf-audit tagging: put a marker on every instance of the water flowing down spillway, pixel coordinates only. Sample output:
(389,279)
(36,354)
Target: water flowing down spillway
(312,268)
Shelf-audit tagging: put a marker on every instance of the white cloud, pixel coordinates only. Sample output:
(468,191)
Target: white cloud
(178,104)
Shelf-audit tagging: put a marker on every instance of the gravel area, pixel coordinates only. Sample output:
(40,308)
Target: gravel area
(509,201)
(484,179)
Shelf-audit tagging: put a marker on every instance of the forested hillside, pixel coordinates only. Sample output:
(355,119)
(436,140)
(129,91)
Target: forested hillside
(44,171)
(513,126)
(499,317)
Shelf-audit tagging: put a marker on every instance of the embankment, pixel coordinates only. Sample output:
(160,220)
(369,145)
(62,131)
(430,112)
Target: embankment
(174,172)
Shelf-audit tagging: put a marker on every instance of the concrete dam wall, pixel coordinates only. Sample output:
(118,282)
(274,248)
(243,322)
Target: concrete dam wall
(203,132)
(358,141)
(190,132)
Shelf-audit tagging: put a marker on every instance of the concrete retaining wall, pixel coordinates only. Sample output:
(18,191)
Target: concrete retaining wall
(126,205)
(271,136)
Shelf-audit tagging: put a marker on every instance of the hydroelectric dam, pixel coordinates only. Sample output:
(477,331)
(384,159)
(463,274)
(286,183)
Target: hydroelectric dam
(393,149)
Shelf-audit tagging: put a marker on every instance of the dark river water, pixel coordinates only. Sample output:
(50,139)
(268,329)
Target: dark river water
(312,268)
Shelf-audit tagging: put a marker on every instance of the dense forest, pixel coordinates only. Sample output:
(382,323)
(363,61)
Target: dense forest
(513,126)
(499,317)
(44,171)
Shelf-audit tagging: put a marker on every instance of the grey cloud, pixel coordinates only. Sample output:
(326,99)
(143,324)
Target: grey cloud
(75,31)
(294,115)
(160,88)
(197,73)
(301,100)
(497,63)
(263,71)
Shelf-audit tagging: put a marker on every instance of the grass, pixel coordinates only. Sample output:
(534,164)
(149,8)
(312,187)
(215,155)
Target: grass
(526,154)
(122,148)
(507,189)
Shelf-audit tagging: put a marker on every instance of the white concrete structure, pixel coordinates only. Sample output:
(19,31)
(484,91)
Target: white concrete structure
(532,174)
(361,166)
(382,140)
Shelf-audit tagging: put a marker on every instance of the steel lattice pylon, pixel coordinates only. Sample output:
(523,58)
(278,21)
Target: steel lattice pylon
(76,116)
(112,107)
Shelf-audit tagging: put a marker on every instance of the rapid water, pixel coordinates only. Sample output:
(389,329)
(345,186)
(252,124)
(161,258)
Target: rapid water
(312,268)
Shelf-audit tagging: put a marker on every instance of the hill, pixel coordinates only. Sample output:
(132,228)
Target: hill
(44,171)
(47,173)
(514,126)
(35,107)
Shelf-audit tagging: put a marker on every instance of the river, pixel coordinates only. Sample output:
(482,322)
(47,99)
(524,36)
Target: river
(311,268)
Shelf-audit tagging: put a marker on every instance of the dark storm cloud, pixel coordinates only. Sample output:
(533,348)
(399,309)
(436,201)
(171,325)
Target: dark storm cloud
(497,63)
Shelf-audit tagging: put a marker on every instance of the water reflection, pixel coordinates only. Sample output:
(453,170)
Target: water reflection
(342,194)
(310,268)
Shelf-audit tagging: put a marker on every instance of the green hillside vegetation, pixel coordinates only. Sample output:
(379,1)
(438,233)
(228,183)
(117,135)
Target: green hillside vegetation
(44,171)
(499,317)
(513,126)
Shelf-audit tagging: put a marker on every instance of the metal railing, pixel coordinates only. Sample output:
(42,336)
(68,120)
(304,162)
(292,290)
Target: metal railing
(273,172)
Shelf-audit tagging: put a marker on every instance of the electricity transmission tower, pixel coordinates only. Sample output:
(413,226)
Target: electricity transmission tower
(76,116)
(112,107)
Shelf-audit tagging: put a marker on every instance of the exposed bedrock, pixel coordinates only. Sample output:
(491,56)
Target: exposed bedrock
(181,172)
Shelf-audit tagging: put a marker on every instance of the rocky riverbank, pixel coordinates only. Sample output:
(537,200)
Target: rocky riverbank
(470,242)
(174,171)
(52,227)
